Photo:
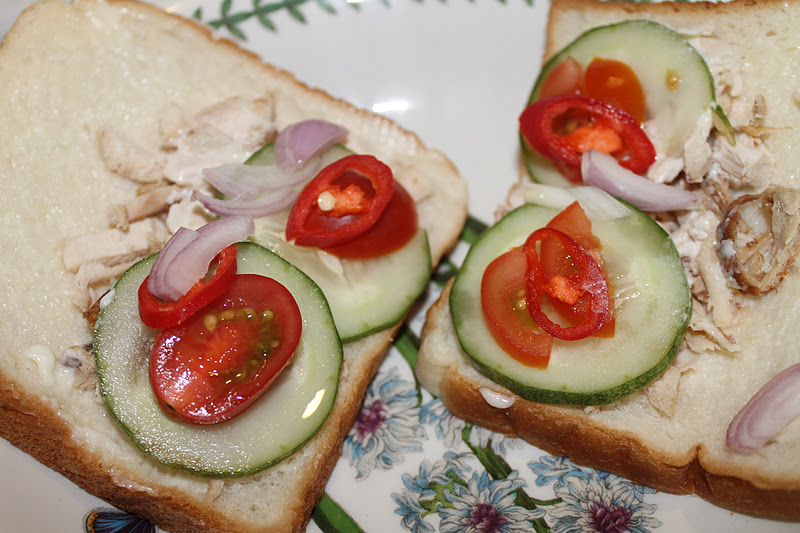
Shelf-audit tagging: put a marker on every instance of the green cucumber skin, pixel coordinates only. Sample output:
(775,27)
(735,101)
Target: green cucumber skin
(320,350)
(596,356)
(616,38)
(371,304)
(405,301)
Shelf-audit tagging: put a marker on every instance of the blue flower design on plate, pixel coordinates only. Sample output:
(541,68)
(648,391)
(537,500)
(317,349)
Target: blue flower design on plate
(423,492)
(462,500)
(486,505)
(594,501)
(387,427)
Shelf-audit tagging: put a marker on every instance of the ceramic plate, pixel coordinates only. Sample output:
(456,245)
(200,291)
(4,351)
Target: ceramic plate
(456,72)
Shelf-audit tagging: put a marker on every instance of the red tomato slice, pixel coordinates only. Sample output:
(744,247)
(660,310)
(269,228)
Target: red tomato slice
(564,79)
(615,83)
(341,203)
(395,227)
(561,128)
(588,279)
(215,364)
(505,314)
(159,314)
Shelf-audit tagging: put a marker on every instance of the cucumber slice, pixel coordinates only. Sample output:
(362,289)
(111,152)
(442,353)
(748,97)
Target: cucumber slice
(653,307)
(677,83)
(279,423)
(365,295)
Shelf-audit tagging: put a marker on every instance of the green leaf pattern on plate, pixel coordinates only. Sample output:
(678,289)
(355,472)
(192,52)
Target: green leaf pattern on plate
(262,11)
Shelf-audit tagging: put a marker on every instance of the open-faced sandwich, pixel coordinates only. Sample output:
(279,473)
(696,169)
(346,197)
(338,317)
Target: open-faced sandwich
(633,307)
(204,262)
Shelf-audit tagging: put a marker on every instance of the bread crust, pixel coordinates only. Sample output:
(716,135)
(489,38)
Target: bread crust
(621,453)
(38,428)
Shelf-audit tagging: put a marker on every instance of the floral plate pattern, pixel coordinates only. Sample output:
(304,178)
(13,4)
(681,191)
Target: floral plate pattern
(456,72)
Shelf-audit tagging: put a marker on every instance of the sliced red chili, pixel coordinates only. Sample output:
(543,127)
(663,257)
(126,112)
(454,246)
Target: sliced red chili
(561,128)
(214,365)
(557,262)
(396,226)
(160,314)
(588,279)
(341,203)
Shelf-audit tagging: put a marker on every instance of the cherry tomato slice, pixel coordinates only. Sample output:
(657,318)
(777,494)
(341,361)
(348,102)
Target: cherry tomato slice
(561,128)
(504,310)
(215,364)
(393,230)
(341,203)
(564,79)
(159,314)
(589,280)
(615,83)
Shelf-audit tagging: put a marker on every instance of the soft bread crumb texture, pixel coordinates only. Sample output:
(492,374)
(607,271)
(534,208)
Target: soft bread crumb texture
(66,71)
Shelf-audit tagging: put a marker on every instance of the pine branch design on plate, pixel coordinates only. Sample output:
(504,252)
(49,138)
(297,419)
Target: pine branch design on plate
(231,20)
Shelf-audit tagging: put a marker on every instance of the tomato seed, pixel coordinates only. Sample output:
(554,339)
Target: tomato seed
(210,321)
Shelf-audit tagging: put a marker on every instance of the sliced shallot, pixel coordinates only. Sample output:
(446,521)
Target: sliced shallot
(190,252)
(156,282)
(261,206)
(246,182)
(603,171)
(767,412)
(300,141)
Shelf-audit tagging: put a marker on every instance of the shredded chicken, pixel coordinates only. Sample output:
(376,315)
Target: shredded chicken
(759,238)
(187,213)
(704,335)
(746,165)
(215,488)
(228,131)
(98,259)
(697,151)
(94,279)
(719,298)
(153,202)
(113,246)
(663,393)
(129,160)
(79,358)
(249,122)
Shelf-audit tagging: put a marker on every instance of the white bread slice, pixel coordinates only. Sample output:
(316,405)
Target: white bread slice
(684,453)
(67,70)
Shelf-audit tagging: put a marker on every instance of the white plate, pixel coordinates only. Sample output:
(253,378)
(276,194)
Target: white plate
(457,73)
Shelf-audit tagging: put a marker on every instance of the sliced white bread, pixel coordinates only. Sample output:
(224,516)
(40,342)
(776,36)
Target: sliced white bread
(66,71)
(685,452)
